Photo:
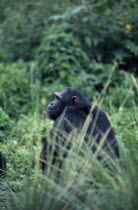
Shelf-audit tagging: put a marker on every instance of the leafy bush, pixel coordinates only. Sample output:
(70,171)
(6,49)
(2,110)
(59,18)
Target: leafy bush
(106,29)
(99,75)
(15,89)
(61,62)
(60,56)
(22,146)
(25,22)
(122,91)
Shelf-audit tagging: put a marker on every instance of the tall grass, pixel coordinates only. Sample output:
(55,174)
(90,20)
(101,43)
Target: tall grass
(82,182)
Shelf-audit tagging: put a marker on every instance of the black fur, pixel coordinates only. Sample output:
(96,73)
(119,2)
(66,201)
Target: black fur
(69,110)
(2,164)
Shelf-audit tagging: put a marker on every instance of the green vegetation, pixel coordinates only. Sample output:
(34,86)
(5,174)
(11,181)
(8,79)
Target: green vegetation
(44,47)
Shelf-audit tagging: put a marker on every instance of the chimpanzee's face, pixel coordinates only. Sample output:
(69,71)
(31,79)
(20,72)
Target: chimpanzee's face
(63,99)
(56,107)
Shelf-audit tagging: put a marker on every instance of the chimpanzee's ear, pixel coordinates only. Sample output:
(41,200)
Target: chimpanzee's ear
(74,101)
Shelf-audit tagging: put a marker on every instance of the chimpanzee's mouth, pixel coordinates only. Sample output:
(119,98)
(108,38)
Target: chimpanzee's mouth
(47,112)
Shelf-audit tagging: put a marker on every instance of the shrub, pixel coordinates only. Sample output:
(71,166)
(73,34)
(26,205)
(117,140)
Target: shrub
(15,89)
(61,62)
(107,31)
(60,56)
(122,91)
(25,22)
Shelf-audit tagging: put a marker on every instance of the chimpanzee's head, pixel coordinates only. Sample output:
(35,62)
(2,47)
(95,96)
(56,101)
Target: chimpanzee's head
(69,98)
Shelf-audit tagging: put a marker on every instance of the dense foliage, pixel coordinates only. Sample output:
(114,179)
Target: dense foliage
(44,47)
(107,29)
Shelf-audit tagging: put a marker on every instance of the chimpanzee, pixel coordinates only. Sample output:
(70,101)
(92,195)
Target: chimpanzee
(2,164)
(70,110)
